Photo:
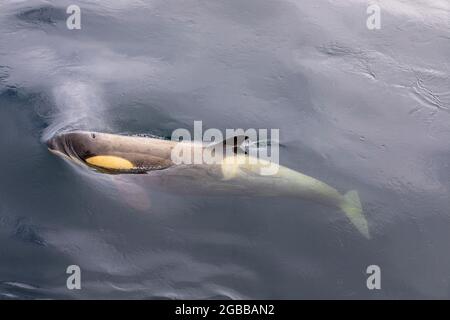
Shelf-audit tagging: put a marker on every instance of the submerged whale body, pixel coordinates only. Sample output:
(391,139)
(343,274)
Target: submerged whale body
(235,174)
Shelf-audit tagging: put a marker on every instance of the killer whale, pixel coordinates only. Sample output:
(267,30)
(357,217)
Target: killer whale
(236,174)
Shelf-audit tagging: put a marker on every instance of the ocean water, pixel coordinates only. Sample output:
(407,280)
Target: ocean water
(356,108)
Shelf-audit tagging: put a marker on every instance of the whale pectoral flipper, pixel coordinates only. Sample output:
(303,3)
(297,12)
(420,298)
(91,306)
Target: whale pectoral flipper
(351,205)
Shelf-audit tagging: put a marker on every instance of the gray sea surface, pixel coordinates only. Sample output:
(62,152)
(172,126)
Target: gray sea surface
(356,108)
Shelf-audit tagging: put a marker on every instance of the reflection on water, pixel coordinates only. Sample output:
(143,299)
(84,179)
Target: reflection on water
(358,109)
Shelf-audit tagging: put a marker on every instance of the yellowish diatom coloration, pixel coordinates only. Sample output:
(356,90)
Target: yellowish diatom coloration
(110,162)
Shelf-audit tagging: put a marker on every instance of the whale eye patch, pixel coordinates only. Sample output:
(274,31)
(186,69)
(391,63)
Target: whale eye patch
(110,162)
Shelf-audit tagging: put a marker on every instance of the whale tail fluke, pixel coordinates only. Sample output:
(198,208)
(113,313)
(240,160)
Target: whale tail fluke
(352,208)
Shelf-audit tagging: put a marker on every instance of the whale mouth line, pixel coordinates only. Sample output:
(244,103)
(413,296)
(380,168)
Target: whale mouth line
(61,145)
